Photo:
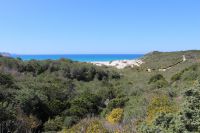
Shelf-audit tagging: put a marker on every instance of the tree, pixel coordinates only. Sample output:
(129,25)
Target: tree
(34,102)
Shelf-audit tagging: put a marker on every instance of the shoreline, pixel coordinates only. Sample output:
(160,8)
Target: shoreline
(119,64)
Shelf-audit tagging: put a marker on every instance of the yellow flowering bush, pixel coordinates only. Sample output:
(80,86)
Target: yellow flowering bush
(95,127)
(79,127)
(159,104)
(117,131)
(115,116)
(87,126)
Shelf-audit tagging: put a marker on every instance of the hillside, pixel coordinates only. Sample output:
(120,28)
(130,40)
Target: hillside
(72,97)
(163,60)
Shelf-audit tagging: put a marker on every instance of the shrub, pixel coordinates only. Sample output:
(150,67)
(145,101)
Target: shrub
(158,81)
(176,77)
(56,106)
(115,116)
(33,102)
(159,104)
(163,123)
(117,103)
(70,120)
(87,126)
(188,120)
(96,127)
(6,113)
(190,76)
(191,110)
(54,124)
(114,103)
(156,78)
(86,103)
(6,79)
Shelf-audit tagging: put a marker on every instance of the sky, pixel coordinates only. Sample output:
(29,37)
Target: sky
(98,26)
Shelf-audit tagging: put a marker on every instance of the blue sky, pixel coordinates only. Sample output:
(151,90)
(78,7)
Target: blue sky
(98,26)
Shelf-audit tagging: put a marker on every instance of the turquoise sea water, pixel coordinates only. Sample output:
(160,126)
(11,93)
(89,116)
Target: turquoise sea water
(82,57)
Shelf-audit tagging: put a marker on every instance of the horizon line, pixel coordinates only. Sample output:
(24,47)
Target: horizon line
(83,54)
(97,53)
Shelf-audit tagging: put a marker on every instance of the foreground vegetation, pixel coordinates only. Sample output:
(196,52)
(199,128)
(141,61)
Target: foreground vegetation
(71,97)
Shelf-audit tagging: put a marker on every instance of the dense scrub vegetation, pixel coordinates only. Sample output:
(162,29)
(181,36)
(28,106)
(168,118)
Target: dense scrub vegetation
(44,95)
(72,97)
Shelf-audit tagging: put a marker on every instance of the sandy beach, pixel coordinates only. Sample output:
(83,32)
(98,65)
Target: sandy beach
(120,64)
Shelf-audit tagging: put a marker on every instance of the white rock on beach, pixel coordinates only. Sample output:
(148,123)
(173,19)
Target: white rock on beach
(120,64)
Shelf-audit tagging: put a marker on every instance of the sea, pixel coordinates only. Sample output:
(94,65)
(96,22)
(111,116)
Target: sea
(81,57)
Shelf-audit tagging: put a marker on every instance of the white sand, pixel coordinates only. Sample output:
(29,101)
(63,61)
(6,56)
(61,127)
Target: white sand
(120,64)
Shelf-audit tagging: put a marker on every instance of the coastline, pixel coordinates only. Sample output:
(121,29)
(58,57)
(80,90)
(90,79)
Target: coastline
(82,57)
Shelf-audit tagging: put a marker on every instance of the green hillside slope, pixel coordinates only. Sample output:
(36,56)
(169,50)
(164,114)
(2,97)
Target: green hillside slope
(162,95)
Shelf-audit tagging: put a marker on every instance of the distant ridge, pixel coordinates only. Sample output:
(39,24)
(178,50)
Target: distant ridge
(4,54)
